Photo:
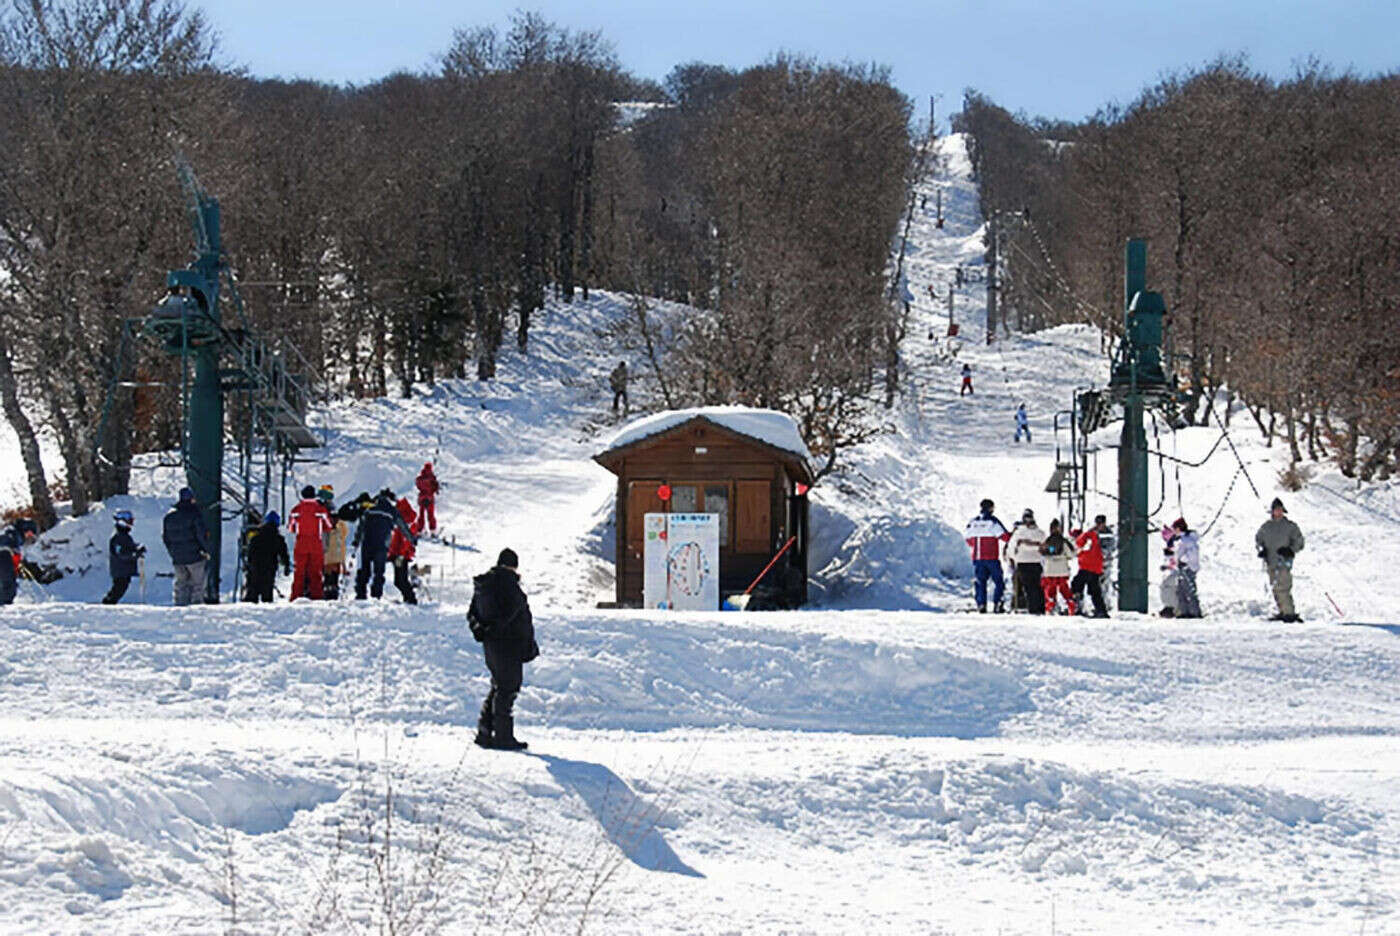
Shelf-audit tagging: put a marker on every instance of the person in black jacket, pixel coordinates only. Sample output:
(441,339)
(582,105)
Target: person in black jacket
(12,543)
(500,618)
(122,555)
(187,540)
(372,537)
(266,550)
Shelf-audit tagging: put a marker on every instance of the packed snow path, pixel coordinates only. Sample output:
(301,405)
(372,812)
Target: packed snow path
(883,760)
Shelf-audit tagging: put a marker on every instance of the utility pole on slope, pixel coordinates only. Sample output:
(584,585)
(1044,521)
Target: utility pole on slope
(992,278)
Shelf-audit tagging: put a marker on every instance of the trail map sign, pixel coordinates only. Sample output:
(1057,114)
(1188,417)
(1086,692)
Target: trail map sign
(680,561)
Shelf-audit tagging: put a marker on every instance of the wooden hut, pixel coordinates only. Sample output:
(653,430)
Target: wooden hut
(749,466)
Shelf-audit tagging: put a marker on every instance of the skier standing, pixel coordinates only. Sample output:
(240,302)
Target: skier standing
(309,522)
(1023,424)
(266,550)
(1091,566)
(1023,549)
(1056,551)
(122,555)
(12,542)
(401,551)
(618,381)
(1188,563)
(966,380)
(1279,540)
(984,535)
(428,488)
(186,538)
(372,538)
(500,619)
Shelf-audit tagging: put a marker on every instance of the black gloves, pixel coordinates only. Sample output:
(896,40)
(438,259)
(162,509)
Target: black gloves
(286,570)
(1263,553)
(1285,552)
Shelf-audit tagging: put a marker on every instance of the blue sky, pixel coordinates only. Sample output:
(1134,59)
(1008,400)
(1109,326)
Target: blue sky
(1060,59)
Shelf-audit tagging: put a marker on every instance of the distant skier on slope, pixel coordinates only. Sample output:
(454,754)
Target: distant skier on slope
(266,550)
(310,521)
(1089,543)
(428,487)
(1023,550)
(122,556)
(12,542)
(966,380)
(1056,551)
(618,381)
(984,535)
(1279,540)
(500,619)
(372,538)
(186,538)
(401,551)
(1023,424)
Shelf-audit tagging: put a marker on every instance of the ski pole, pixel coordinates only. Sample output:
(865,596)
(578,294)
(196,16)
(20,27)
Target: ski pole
(1334,606)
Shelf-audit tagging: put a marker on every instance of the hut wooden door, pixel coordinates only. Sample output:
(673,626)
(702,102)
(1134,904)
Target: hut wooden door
(753,516)
(642,499)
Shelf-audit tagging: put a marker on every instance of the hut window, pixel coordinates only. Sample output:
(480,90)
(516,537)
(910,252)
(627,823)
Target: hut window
(717,502)
(685,498)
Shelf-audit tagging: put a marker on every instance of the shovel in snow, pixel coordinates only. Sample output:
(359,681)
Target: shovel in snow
(741,602)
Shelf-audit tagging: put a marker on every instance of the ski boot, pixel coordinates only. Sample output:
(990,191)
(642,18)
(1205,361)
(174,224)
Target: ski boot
(999,608)
(483,727)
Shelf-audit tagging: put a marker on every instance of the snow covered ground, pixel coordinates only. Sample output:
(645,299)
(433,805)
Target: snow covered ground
(881,760)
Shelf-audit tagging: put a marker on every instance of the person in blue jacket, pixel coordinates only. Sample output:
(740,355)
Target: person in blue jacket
(1023,424)
(186,538)
(122,556)
(372,538)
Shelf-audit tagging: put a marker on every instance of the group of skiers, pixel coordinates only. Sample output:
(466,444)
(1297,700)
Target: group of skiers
(1040,563)
(387,529)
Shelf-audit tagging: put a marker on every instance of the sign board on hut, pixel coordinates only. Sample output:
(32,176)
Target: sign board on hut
(681,561)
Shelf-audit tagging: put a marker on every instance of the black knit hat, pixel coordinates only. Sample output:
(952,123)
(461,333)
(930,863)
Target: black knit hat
(308,492)
(987,504)
(508,559)
(1278,505)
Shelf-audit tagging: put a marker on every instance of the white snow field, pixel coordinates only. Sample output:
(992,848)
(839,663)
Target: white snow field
(881,761)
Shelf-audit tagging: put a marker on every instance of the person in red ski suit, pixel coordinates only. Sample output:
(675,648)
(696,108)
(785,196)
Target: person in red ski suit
(428,488)
(401,551)
(309,521)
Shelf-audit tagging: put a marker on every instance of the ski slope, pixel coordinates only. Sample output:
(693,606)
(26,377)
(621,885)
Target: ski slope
(883,759)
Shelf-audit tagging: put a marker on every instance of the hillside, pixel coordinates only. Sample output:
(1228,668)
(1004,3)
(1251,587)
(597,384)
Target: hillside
(882,759)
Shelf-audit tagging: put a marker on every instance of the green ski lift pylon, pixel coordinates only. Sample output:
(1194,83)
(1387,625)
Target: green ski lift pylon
(188,322)
(1137,381)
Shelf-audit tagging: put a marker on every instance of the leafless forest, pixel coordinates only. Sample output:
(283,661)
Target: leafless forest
(1270,209)
(403,231)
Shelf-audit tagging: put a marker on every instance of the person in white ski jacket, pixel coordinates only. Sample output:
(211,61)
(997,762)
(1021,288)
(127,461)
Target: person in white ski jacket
(1023,551)
(1188,563)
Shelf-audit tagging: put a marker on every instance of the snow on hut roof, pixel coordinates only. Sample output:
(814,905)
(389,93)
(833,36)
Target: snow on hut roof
(767,426)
